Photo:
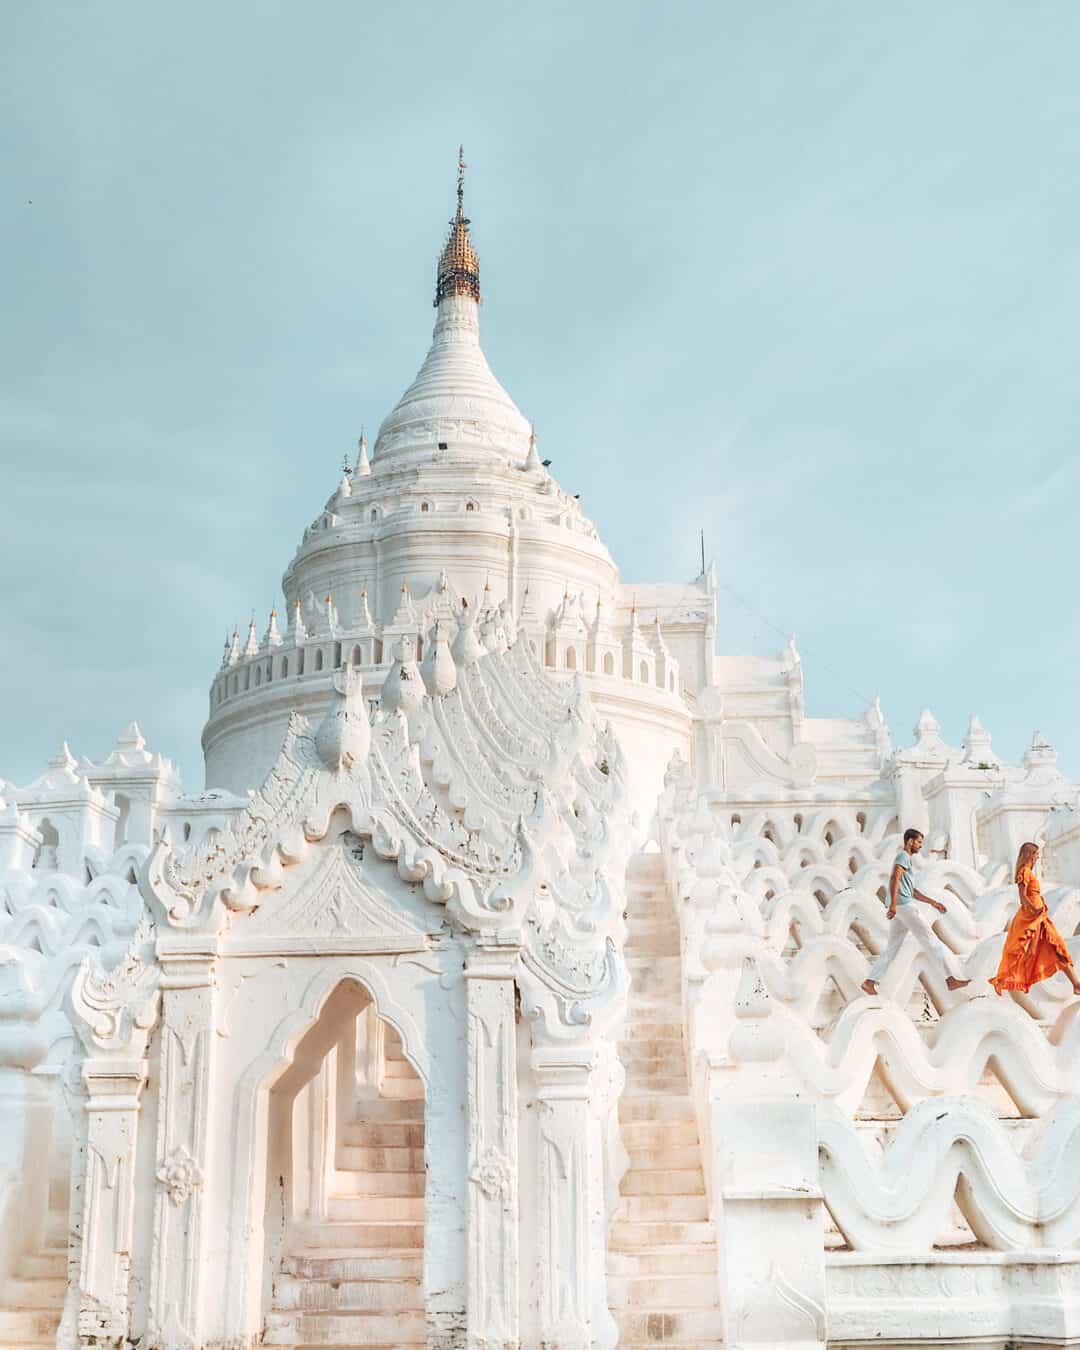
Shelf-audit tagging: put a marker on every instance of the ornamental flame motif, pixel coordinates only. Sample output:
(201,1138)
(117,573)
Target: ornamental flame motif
(180,1174)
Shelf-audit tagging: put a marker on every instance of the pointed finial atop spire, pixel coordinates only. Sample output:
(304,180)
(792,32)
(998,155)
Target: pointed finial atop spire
(458,272)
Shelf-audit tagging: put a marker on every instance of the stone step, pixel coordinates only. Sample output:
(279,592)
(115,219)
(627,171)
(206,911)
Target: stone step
(651,1208)
(379,1110)
(648,1051)
(654,1082)
(647,1087)
(650,923)
(648,1029)
(665,1157)
(407,1264)
(646,961)
(655,1136)
(313,1239)
(699,1259)
(646,925)
(28,1326)
(666,1010)
(657,1005)
(681,1326)
(369,1208)
(663,1181)
(402,1089)
(398,1068)
(361,1158)
(671,1066)
(639,1106)
(645,868)
(48,1264)
(383,1134)
(693,1290)
(661,993)
(19,1292)
(397,1294)
(345,1328)
(646,944)
(626,1236)
(402,1184)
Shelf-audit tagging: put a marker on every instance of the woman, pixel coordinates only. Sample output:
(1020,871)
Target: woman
(1034,949)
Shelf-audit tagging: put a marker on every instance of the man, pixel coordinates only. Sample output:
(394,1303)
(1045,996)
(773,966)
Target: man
(904,915)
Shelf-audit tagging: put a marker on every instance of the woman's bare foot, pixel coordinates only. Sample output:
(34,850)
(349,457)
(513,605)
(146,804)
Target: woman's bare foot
(953,983)
(869,987)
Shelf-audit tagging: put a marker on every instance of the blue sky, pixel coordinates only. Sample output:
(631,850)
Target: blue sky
(805,275)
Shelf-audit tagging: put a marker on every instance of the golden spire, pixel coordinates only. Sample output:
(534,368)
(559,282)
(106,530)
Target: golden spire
(459,271)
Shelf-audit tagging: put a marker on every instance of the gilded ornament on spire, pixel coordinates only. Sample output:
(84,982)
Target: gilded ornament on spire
(459,270)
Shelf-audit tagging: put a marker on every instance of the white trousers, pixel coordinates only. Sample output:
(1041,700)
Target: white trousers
(909,920)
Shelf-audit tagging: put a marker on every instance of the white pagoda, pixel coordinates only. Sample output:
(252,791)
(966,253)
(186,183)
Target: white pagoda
(502,988)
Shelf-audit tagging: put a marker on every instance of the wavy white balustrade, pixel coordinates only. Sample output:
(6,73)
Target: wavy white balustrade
(805,903)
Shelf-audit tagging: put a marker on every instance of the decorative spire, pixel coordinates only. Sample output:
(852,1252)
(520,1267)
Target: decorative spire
(532,460)
(459,271)
(365,610)
(345,486)
(363,465)
(977,746)
(272,637)
(251,646)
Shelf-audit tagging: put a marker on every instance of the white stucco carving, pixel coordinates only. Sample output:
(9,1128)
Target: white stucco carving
(502,989)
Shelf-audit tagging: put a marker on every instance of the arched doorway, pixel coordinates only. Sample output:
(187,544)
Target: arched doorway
(345,1187)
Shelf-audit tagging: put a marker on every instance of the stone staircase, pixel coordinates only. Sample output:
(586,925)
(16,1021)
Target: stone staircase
(662,1256)
(355,1278)
(32,1299)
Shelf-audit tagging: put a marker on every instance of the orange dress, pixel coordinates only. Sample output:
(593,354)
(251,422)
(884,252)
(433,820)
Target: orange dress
(1034,949)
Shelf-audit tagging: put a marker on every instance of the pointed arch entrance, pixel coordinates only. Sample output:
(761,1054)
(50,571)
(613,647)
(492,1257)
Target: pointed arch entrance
(345,1183)
(330,1180)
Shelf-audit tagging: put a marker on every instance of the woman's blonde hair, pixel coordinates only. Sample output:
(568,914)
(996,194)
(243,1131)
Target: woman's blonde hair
(1024,858)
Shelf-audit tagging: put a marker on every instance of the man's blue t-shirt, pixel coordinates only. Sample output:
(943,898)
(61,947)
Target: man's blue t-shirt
(905,891)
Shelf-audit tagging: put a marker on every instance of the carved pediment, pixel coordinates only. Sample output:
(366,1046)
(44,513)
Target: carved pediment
(333,904)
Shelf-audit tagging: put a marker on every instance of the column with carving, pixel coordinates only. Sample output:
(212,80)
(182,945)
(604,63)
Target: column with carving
(113,1014)
(492,1230)
(187,966)
(763,1132)
(24,1105)
(570,1193)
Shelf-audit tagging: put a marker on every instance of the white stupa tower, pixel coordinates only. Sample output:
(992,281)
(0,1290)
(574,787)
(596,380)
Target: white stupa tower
(454,511)
(507,984)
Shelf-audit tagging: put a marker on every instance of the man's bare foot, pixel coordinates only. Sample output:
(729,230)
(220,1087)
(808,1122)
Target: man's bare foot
(953,983)
(868,987)
(1076,987)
